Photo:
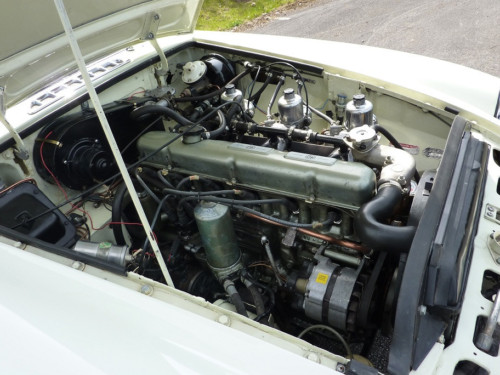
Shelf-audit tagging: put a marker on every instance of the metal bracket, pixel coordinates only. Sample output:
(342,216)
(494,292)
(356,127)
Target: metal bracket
(149,33)
(151,25)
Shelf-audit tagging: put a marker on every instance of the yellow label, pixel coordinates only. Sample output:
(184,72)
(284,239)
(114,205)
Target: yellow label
(322,278)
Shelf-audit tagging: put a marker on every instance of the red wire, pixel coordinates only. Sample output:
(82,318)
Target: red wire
(30,180)
(59,185)
(74,206)
(50,172)
(135,93)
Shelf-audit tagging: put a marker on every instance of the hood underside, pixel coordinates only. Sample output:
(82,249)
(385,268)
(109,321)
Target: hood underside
(35,49)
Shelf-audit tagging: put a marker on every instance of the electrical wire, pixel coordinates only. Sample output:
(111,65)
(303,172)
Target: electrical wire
(284,222)
(230,202)
(331,330)
(251,86)
(59,184)
(133,165)
(149,126)
(30,180)
(153,223)
(136,92)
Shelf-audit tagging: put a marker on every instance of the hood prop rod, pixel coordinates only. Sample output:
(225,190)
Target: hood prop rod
(21,151)
(109,136)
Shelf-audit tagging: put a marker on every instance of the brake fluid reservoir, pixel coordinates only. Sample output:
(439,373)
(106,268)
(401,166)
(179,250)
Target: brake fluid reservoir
(358,112)
(230,93)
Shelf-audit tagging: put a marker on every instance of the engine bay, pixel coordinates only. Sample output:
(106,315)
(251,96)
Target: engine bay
(273,188)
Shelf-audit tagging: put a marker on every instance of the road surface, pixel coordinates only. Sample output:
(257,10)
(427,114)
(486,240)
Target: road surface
(465,32)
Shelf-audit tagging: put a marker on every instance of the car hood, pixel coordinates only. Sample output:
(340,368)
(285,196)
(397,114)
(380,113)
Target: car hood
(35,49)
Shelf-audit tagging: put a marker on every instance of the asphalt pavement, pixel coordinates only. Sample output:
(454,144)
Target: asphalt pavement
(465,32)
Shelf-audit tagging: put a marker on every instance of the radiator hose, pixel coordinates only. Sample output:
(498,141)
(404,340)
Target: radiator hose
(372,229)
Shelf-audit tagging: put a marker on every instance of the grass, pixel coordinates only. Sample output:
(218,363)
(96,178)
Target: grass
(226,14)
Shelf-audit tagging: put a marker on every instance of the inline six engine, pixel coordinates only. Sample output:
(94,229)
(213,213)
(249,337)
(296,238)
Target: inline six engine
(294,226)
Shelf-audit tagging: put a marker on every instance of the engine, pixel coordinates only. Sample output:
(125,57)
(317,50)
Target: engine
(294,225)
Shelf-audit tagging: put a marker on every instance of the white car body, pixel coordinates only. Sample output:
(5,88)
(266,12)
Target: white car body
(61,314)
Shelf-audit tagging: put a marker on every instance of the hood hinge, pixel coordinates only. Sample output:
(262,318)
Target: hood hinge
(149,33)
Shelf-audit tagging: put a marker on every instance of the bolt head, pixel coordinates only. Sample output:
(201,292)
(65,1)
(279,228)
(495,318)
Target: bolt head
(224,319)
(340,368)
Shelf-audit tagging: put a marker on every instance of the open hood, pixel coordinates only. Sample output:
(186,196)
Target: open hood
(35,49)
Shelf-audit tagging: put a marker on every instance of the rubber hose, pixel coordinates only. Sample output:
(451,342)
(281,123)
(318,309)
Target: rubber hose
(238,303)
(116,214)
(371,229)
(273,98)
(219,131)
(159,110)
(235,297)
(233,108)
(213,93)
(258,301)
(255,97)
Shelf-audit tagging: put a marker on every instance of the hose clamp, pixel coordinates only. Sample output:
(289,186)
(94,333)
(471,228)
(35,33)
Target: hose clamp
(388,183)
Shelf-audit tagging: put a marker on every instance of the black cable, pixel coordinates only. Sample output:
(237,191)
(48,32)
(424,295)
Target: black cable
(273,98)
(139,135)
(439,118)
(153,223)
(182,182)
(230,202)
(197,194)
(118,174)
(287,223)
(164,180)
(116,214)
(146,187)
(252,84)
(247,275)
(255,97)
(88,229)
(239,204)
(300,77)
(213,93)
